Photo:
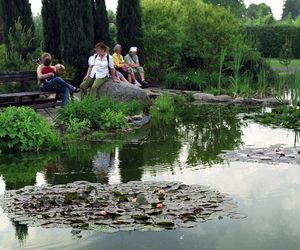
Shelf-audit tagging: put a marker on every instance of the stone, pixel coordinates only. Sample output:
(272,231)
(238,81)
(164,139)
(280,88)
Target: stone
(124,92)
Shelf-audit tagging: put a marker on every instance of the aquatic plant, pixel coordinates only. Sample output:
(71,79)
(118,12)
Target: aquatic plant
(91,112)
(22,129)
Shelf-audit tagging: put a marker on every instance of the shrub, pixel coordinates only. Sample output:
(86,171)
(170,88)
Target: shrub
(111,119)
(163,109)
(207,33)
(22,129)
(271,38)
(75,126)
(92,110)
(163,36)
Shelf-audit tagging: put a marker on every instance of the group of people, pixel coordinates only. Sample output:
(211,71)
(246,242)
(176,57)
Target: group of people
(101,67)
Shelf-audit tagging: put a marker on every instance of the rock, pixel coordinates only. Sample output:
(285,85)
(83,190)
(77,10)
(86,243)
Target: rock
(247,101)
(142,122)
(202,97)
(124,92)
(273,102)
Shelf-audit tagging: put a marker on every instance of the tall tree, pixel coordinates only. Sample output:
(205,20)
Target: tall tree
(101,23)
(76,32)
(291,7)
(256,11)
(237,7)
(51,27)
(129,25)
(11,11)
(1,30)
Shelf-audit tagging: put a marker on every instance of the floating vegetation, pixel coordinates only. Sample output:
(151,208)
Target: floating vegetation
(274,154)
(286,116)
(141,206)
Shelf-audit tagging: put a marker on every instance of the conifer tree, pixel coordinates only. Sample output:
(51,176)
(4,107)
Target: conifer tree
(11,11)
(51,27)
(129,25)
(76,32)
(101,23)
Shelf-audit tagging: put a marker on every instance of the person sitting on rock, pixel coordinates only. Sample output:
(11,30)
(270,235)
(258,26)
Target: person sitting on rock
(122,67)
(101,66)
(50,82)
(132,60)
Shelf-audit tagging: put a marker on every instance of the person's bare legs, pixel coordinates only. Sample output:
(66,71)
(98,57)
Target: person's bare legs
(129,78)
(123,79)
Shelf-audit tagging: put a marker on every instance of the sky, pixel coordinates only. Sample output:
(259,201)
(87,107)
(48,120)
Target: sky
(276,5)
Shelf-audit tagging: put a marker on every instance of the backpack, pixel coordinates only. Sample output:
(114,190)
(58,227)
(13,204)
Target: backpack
(107,57)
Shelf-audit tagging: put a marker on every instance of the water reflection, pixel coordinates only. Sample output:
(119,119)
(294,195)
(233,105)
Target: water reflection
(186,150)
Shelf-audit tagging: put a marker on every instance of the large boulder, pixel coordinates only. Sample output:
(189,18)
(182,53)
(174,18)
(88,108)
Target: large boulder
(124,92)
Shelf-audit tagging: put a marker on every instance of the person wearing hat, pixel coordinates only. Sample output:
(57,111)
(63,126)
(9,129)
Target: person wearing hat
(132,60)
(122,67)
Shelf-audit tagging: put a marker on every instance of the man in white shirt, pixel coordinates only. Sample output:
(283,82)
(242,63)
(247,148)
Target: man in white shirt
(132,60)
(101,66)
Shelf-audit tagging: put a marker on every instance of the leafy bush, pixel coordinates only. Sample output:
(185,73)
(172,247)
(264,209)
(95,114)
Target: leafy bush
(271,38)
(163,109)
(75,126)
(113,120)
(22,129)
(163,36)
(21,50)
(92,110)
(207,33)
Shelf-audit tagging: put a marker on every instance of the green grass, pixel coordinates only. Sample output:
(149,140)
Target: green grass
(275,63)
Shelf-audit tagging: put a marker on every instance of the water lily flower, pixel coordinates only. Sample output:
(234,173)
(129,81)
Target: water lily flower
(103,213)
(159,205)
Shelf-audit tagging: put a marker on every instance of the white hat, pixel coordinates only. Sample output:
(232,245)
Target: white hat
(133,49)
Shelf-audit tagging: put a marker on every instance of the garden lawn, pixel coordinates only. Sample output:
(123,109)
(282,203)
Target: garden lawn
(275,63)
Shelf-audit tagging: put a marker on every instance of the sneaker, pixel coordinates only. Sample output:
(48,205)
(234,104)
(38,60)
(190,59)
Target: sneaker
(136,83)
(145,84)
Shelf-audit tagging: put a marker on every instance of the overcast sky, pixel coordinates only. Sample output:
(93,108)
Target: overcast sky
(276,5)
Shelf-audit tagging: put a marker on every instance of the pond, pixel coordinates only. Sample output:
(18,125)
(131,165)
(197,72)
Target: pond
(187,151)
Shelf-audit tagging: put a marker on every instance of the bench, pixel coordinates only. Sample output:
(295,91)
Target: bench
(28,98)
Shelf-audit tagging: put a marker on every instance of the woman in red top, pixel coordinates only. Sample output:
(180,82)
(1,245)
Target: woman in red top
(50,82)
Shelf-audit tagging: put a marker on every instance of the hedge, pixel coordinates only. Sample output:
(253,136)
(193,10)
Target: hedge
(270,39)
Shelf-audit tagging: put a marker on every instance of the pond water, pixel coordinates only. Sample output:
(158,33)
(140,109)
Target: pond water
(186,151)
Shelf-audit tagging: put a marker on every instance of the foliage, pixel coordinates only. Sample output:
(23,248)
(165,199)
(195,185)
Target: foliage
(163,36)
(11,11)
(38,25)
(286,54)
(76,32)
(272,37)
(163,110)
(291,7)
(22,129)
(101,23)
(94,111)
(191,80)
(237,7)
(51,27)
(286,116)
(256,11)
(207,33)
(111,119)
(19,56)
(75,126)
(176,38)
(129,24)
